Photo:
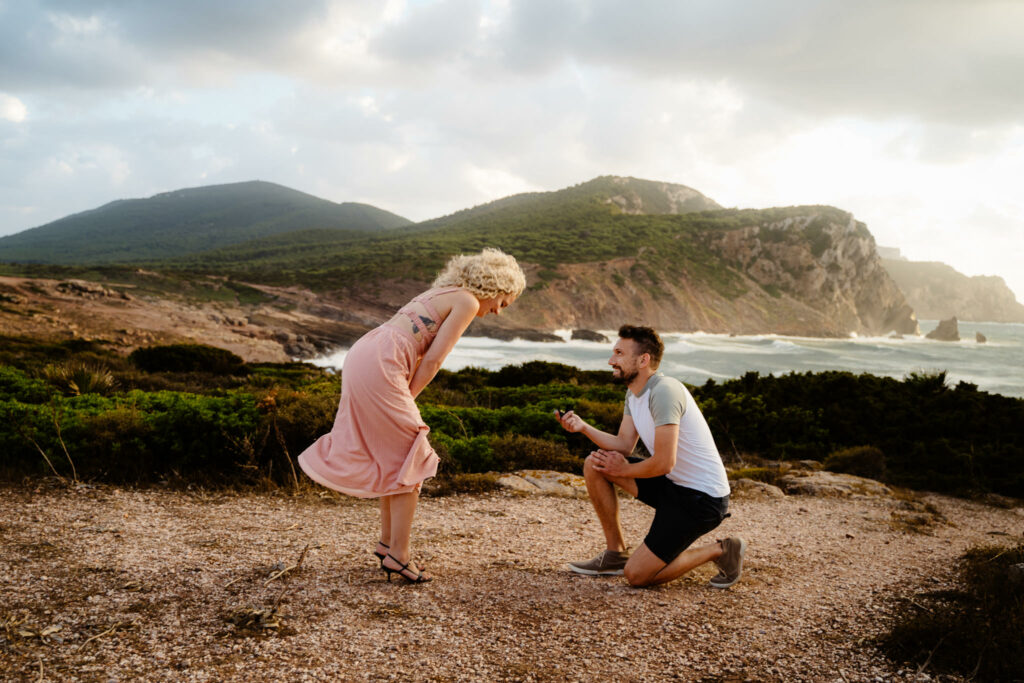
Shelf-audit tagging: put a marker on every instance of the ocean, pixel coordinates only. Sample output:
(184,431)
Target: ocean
(996,366)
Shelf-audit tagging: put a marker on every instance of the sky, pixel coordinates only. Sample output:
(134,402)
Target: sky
(907,113)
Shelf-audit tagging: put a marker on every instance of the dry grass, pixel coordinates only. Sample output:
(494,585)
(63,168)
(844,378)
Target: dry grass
(111,584)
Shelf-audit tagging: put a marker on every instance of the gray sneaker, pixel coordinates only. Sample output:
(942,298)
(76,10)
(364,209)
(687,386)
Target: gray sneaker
(608,563)
(730,563)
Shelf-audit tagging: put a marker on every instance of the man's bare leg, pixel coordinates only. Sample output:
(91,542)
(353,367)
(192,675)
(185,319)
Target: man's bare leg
(603,497)
(647,569)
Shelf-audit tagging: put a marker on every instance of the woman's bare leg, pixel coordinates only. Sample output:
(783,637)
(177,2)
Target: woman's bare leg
(402,508)
(385,520)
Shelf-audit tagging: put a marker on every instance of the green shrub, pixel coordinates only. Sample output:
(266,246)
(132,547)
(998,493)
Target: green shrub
(465,455)
(863,461)
(74,378)
(16,385)
(188,358)
(769,475)
(517,452)
(977,631)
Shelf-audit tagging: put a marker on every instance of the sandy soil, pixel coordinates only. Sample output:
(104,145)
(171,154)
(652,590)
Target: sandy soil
(296,324)
(114,585)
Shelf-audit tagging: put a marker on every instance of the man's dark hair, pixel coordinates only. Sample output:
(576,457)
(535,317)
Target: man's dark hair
(647,341)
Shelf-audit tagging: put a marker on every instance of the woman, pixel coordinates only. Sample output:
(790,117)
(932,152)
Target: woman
(378,447)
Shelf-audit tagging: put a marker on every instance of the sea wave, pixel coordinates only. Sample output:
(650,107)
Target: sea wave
(996,366)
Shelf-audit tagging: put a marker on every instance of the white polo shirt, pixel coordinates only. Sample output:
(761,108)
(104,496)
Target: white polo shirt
(665,400)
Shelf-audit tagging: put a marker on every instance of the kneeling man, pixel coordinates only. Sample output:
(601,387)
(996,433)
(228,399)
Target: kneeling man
(684,480)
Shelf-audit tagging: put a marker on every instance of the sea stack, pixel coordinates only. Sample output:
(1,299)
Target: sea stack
(947,330)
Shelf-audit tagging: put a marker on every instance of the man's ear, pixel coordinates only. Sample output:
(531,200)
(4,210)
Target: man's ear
(645,360)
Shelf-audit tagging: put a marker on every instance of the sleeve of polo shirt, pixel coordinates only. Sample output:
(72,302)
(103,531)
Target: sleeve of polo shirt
(667,402)
(625,405)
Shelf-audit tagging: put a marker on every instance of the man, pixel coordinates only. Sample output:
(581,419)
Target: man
(683,480)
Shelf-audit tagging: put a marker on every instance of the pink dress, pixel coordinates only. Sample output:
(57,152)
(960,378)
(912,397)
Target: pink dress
(378,445)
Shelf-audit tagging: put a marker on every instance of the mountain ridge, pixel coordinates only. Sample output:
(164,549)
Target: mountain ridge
(610,250)
(188,220)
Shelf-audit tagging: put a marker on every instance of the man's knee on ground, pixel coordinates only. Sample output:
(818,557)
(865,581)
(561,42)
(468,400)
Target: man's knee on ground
(637,577)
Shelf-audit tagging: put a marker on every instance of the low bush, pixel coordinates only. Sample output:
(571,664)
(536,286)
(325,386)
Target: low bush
(768,475)
(188,358)
(74,378)
(863,461)
(516,452)
(977,631)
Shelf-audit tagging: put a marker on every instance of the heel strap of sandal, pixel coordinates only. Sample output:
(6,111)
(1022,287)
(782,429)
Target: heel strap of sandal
(402,567)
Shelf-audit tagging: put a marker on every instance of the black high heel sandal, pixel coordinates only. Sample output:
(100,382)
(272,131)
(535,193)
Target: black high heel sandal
(380,556)
(418,578)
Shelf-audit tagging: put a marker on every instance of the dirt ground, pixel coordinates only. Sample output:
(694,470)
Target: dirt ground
(107,584)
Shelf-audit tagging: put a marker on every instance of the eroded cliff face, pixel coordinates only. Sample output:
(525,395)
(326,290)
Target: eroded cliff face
(812,275)
(938,291)
(649,197)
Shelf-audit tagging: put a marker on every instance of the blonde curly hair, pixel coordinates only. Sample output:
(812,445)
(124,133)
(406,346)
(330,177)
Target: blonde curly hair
(488,274)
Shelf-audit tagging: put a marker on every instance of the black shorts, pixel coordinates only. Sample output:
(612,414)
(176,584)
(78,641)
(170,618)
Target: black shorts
(681,515)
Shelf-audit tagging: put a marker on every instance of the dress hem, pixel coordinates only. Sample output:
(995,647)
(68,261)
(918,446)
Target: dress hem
(358,493)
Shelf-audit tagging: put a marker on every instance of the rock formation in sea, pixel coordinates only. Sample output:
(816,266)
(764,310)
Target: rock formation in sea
(946,330)
(589,335)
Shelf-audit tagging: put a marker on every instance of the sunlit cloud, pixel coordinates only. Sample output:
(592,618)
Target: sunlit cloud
(12,109)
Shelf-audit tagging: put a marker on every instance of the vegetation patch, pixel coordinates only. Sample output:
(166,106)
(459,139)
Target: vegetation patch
(976,631)
(188,358)
(191,415)
(862,461)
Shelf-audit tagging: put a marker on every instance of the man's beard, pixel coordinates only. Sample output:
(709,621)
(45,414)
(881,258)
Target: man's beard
(624,377)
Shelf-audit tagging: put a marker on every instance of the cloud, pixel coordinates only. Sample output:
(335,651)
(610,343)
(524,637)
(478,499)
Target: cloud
(12,109)
(46,44)
(941,60)
(430,35)
(946,61)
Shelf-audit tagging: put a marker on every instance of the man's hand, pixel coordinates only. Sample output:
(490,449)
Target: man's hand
(571,422)
(611,463)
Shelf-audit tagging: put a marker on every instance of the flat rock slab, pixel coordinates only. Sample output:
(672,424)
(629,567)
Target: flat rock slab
(545,482)
(749,488)
(831,484)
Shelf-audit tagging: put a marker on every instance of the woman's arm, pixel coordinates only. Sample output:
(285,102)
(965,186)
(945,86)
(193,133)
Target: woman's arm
(464,309)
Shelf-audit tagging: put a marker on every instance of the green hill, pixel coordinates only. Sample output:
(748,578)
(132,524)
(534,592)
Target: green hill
(605,218)
(595,254)
(188,221)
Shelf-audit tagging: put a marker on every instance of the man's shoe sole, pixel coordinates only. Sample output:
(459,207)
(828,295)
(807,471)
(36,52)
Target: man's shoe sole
(726,584)
(596,572)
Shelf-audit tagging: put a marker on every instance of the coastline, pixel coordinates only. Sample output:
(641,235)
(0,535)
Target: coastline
(698,356)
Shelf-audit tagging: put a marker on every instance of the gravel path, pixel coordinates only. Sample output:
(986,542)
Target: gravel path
(115,585)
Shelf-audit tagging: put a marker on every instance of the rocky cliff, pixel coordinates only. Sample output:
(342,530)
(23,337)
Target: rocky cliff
(814,273)
(938,291)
